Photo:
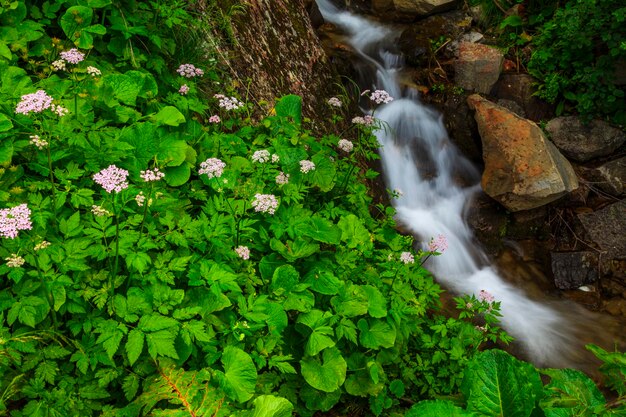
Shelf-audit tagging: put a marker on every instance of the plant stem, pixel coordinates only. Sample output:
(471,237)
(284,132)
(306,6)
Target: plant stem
(117,247)
(54,189)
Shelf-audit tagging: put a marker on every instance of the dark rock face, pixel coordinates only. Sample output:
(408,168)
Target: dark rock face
(519,88)
(584,142)
(607,229)
(572,270)
(279,50)
(461,127)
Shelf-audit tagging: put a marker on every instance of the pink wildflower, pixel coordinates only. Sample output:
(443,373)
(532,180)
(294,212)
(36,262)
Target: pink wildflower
(212,167)
(112,179)
(100,211)
(243,252)
(35,102)
(380,97)
(228,103)
(189,71)
(261,156)
(14,261)
(265,203)
(366,120)
(439,244)
(73,56)
(183,90)
(345,145)
(152,175)
(214,119)
(334,101)
(59,110)
(275,158)
(38,142)
(486,296)
(306,166)
(282,178)
(93,71)
(14,219)
(407,258)
(58,65)
(140,199)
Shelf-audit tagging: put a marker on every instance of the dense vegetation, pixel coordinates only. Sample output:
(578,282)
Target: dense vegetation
(575,48)
(166,254)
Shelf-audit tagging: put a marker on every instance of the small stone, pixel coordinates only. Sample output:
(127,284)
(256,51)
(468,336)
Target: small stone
(478,67)
(607,229)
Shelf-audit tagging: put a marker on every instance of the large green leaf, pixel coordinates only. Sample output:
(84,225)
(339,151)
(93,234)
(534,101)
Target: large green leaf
(570,393)
(354,233)
(290,106)
(497,384)
(284,279)
(320,229)
(324,173)
(239,377)
(271,406)
(328,374)
(375,334)
(169,115)
(352,301)
(376,302)
(437,408)
(299,248)
(73,23)
(320,334)
(323,281)
(319,400)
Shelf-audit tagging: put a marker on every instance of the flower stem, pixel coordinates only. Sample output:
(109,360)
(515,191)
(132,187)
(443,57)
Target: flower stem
(117,247)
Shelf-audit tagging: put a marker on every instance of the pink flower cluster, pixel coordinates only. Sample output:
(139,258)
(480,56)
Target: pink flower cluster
(12,220)
(112,179)
(345,145)
(407,258)
(100,211)
(228,103)
(152,175)
(282,178)
(38,142)
(486,296)
(35,102)
(243,252)
(438,244)
(93,71)
(265,203)
(212,167)
(59,110)
(261,156)
(183,90)
(306,166)
(380,97)
(14,261)
(366,120)
(334,101)
(189,71)
(73,56)
(214,119)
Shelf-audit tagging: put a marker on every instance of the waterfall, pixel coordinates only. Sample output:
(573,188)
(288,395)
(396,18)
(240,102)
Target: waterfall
(419,160)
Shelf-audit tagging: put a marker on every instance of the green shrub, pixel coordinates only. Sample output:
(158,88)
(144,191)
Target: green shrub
(576,57)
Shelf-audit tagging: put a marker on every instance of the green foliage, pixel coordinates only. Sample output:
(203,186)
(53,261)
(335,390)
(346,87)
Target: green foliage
(577,55)
(497,384)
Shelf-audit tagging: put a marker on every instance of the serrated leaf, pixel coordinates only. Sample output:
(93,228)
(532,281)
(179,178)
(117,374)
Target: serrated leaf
(327,374)
(239,377)
(47,370)
(495,383)
(572,387)
(130,386)
(320,229)
(375,334)
(134,345)
(284,279)
(354,233)
(161,343)
(437,408)
(376,302)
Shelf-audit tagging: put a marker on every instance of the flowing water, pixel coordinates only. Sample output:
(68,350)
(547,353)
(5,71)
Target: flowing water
(420,161)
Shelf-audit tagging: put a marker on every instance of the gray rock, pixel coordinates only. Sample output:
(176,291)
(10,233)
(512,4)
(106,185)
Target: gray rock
(609,177)
(607,229)
(478,67)
(572,270)
(584,142)
(520,89)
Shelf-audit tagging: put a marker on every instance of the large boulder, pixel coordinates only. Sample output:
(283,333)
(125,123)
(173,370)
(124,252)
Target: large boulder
(521,89)
(423,7)
(478,67)
(582,142)
(523,169)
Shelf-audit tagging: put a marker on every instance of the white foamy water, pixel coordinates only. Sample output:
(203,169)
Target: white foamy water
(419,160)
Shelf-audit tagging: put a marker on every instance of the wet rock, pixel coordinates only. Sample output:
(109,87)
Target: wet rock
(528,224)
(461,126)
(523,170)
(572,270)
(512,106)
(609,177)
(616,306)
(607,228)
(417,8)
(478,67)
(487,220)
(520,89)
(584,142)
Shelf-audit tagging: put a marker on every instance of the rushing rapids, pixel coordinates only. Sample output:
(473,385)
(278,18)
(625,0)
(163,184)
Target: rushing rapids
(420,161)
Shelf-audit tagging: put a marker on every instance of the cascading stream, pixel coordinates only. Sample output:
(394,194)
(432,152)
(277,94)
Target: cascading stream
(432,202)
